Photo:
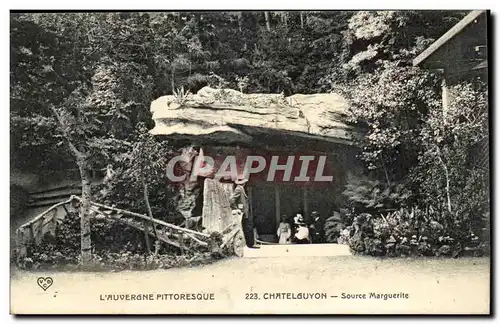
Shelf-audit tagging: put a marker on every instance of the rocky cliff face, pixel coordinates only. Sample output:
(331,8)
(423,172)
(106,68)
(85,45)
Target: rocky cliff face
(229,116)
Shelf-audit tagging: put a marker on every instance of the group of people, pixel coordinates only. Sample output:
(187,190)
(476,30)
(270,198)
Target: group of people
(299,231)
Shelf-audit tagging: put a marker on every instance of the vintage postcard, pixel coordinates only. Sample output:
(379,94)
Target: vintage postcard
(250,162)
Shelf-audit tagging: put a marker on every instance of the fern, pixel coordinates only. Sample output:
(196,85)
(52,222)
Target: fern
(333,227)
(374,196)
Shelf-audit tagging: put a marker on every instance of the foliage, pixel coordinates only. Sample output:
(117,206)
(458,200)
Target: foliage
(373,196)
(64,248)
(345,235)
(449,188)
(242,83)
(415,232)
(115,64)
(389,98)
(333,227)
(438,157)
(390,106)
(122,261)
(86,68)
(37,79)
(446,180)
(453,171)
(181,96)
(145,162)
(375,37)
(216,81)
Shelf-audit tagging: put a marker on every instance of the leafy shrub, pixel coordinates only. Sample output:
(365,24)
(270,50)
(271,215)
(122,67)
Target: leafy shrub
(374,197)
(216,81)
(333,227)
(115,261)
(389,106)
(415,232)
(142,166)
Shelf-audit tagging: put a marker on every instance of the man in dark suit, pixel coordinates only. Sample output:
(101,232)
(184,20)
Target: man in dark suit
(239,202)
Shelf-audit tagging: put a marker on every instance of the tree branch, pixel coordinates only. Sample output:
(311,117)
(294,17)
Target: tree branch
(78,154)
(146,200)
(385,170)
(447,178)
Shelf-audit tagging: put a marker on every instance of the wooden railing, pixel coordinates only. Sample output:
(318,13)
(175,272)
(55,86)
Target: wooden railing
(33,231)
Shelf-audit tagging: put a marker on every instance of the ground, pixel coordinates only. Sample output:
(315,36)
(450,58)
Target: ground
(433,286)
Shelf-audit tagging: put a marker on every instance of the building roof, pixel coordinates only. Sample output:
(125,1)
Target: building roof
(449,35)
(482,65)
(229,116)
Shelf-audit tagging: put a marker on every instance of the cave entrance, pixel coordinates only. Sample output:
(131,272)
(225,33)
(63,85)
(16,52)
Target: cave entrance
(270,201)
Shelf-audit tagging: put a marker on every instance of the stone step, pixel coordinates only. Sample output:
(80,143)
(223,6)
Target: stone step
(57,188)
(46,202)
(297,250)
(68,184)
(63,193)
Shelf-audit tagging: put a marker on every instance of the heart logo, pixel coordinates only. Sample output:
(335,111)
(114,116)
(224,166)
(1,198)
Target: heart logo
(45,283)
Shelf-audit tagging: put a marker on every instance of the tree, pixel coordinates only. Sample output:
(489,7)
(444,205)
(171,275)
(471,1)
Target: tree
(390,106)
(146,163)
(452,179)
(408,140)
(59,82)
(389,97)
(268,22)
(377,36)
(95,83)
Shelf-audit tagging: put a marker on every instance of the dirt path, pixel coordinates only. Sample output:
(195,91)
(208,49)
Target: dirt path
(432,285)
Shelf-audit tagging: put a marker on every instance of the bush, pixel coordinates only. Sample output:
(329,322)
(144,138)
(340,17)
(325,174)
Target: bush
(144,164)
(415,232)
(333,227)
(374,197)
(114,247)
(114,261)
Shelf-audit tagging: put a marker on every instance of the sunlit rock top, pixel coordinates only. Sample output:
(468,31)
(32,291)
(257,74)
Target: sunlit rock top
(229,116)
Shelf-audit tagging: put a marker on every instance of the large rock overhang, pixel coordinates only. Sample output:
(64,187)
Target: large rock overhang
(307,121)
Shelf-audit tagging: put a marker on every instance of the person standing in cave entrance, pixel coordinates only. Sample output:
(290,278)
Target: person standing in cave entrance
(284,231)
(239,205)
(316,228)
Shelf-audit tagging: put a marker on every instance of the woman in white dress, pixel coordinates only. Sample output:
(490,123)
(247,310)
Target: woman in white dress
(284,231)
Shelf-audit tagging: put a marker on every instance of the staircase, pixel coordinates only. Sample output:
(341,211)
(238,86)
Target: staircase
(52,196)
(49,188)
